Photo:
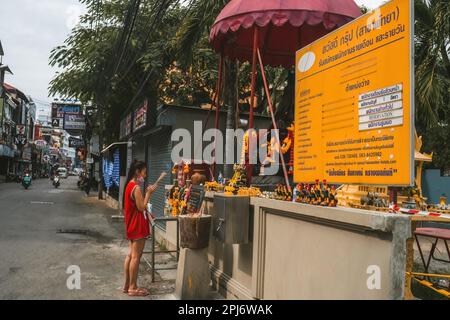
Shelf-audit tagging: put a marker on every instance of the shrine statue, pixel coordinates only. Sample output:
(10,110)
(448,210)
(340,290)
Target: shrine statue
(286,149)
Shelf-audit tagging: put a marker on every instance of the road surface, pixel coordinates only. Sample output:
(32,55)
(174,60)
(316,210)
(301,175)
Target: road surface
(46,232)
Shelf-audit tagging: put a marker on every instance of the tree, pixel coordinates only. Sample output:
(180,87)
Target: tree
(194,31)
(116,57)
(432,55)
(437,140)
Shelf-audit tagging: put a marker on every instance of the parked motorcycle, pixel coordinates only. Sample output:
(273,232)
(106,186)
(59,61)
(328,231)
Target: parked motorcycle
(26,181)
(11,177)
(56,183)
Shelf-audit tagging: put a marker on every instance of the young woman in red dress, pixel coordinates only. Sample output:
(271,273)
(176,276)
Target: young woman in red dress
(137,224)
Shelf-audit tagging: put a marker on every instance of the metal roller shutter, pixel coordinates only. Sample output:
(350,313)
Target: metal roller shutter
(159,160)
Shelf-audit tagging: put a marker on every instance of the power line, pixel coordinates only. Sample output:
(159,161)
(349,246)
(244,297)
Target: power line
(134,9)
(162,5)
(165,6)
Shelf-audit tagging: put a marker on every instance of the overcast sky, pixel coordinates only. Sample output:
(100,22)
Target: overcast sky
(30,29)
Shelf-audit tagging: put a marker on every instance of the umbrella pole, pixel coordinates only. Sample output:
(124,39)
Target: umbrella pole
(252,100)
(217,103)
(254,62)
(218,91)
(269,100)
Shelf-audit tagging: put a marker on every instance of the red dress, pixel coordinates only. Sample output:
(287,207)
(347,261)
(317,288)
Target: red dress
(136,222)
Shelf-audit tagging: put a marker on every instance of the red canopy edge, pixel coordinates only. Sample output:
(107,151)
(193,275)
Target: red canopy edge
(297,23)
(279,18)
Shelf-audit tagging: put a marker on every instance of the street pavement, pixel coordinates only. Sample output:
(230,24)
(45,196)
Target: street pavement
(46,233)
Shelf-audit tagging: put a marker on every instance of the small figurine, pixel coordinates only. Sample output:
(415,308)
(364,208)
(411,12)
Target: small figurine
(303,193)
(333,198)
(325,193)
(307,194)
(316,191)
(300,193)
(287,194)
(288,146)
(297,193)
(443,202)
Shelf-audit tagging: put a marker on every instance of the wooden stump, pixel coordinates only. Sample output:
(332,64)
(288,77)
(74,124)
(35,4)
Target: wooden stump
(194,231)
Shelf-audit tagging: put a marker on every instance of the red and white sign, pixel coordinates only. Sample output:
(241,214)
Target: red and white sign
(140,117)
(20,129)
(40,143)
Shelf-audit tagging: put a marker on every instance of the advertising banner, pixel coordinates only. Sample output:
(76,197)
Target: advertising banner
(354,102)
(59,110)
(140,117)
(75,143)
(40,143)
(74,122)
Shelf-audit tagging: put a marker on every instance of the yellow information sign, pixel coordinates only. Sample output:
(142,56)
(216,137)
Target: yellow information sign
(354,108)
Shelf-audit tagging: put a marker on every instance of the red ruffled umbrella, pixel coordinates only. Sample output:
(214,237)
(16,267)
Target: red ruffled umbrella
(284,26)
(270,32)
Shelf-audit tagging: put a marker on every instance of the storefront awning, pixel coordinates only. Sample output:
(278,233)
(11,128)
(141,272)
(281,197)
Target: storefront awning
(13,90)
(112,145)
(6,69)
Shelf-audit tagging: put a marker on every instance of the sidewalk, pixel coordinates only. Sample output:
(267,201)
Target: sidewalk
(164,286)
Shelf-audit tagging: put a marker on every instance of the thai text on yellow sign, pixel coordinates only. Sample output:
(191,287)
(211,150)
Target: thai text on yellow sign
(354,106)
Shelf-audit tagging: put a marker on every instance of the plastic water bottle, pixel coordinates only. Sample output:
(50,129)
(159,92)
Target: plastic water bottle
(220,178)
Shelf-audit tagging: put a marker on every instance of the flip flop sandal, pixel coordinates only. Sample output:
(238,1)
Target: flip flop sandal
(144,290)
(125,290)
(137,293)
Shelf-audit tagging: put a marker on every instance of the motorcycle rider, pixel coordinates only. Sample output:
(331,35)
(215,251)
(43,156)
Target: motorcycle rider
(87,184)
(26,180)
(56,181)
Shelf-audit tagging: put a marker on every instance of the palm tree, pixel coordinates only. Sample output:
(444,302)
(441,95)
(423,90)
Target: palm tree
(432,51)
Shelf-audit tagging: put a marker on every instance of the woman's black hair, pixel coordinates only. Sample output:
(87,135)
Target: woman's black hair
(136,165)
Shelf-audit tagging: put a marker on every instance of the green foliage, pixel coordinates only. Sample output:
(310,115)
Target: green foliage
(437,140)
(432,54)
(164,55)
(112,63)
